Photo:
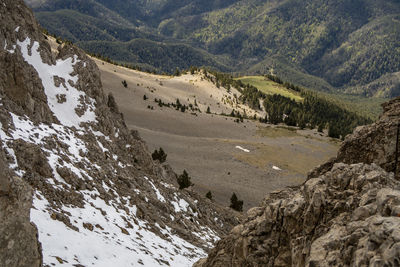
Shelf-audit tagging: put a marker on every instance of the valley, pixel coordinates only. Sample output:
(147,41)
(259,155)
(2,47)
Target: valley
(206,144)
(348,48)
(284,161)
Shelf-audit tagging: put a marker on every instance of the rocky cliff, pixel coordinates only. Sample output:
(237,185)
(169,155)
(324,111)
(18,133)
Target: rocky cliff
(375,143)
(346,214)
(97,197)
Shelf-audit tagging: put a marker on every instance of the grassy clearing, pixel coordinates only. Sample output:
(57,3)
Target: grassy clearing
(265,156)
(276,132)
(270,87)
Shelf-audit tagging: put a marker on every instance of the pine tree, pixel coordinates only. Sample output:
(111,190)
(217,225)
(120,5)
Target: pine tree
(159,155)
(208,110)
(320,128)
(333,131)
(124,83)
(236,204)
(209,195)
(184,180)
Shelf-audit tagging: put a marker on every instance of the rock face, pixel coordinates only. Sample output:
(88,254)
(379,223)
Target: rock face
(375,143)
(98,197)
(346,214)
(18,237)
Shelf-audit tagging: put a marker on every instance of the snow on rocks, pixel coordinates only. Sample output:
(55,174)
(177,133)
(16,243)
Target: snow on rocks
(99,199)
(68,230)
(104,238)
(180,205)
(159,196)
(64,99)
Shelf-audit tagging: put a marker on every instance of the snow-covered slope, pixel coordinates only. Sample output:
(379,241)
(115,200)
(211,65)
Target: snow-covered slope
(99,199)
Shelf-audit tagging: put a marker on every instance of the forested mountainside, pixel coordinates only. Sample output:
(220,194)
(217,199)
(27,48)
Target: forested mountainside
(77,187)
(341,46)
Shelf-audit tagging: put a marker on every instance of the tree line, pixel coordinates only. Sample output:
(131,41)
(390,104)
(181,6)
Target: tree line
(315,111)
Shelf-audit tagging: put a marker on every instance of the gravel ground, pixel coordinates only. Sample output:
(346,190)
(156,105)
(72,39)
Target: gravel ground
(205,144)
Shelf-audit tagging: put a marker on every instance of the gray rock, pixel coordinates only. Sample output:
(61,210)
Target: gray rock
(18,236)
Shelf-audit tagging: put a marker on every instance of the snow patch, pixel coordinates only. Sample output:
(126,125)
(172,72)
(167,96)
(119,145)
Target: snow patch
(11,51)
(106,244)
(180,205)
(276,168)
(159,196)
(63,69)
(243,149)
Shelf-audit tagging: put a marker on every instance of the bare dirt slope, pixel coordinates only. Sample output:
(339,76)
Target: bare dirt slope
(206,144)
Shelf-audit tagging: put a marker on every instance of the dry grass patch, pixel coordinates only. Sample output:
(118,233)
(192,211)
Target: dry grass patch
(287,159)
(275,132)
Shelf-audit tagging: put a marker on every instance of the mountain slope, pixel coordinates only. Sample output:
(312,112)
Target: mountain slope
(312,35)
(126,43)
(163,56)
(345,214)
(98,197)
(325,45)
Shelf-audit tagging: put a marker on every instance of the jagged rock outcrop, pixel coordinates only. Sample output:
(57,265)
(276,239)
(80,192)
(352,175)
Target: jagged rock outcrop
(346,214)
(375,143)
(18,237)
(98,197)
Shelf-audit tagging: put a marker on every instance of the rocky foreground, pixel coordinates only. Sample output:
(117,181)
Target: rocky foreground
(346,214)
(76,186)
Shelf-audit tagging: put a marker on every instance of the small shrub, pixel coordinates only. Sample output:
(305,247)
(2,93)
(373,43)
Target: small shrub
(209,195)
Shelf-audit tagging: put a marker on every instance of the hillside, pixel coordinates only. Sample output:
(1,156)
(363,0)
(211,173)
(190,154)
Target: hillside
(77,187)
(324,39)
(364,106)
(206,145)
(349,47)
(345,214)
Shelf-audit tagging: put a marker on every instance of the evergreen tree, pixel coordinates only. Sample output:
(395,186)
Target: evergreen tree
(184,180)
(192,70)
(208,110)
(290,120)
(178,104)
(333,131)
(124,83)
(321,127)
(209,195)
(159,155)
(236,204)
(144,97)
